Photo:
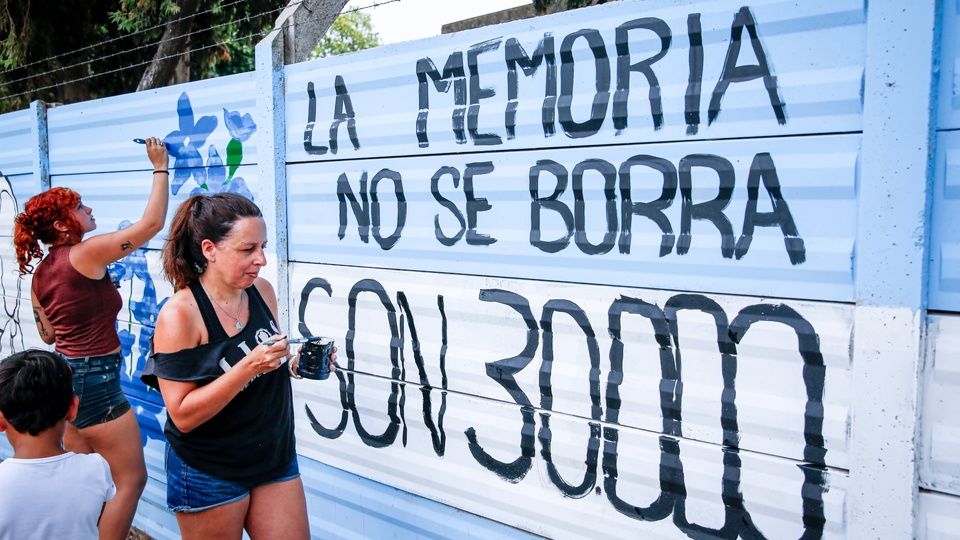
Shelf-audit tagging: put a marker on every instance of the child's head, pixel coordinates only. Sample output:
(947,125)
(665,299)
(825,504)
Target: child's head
(36,390)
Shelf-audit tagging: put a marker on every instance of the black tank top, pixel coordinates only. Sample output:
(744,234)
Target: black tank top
(252,439)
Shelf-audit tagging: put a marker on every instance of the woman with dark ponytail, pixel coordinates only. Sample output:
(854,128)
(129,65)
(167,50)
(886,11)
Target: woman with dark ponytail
(231,453)
(75,305)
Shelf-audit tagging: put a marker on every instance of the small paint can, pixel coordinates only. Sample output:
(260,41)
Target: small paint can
(315,359)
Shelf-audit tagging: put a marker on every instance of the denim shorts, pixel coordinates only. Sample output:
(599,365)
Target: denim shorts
(96,381)
(189,490)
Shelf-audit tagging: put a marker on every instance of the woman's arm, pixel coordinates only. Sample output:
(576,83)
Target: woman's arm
(43,324)
(91,256)
(188,404)
(270,297)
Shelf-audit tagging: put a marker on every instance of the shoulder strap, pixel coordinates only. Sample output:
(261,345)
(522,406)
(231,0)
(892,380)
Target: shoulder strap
(257,299)
(215,331)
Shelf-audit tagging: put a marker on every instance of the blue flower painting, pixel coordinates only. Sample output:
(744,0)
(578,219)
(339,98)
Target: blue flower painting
(144,311)
(185,144)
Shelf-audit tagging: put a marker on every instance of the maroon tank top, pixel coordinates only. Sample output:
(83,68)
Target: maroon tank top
(82,311)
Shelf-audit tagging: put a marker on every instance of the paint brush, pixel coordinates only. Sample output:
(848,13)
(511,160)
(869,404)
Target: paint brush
(291,340)
(141,141)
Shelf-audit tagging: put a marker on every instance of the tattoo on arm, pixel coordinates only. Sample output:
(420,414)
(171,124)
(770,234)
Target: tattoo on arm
(40,325)
(126,246)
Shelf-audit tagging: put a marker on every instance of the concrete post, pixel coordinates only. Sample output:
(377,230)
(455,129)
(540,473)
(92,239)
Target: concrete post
(41,150)
(271,165)
(304,23)
(890,268)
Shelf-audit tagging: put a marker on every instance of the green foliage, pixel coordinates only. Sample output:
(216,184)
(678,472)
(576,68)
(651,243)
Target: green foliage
(73,51)
(136,15)
(351,31)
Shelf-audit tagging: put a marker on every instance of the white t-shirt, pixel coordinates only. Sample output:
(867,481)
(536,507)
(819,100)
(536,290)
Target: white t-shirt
(56,497)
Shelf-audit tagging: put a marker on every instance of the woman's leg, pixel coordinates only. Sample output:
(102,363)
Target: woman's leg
(118,441)
(74,441)
(219,523)
(278,510)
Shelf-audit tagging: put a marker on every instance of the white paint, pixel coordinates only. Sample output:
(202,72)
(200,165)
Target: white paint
(770,400)
(937,517)
(883,441)
(816,176)
(940,426)
(891,267)
(818,69)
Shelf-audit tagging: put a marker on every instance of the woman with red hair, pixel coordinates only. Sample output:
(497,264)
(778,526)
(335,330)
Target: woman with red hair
(75,305)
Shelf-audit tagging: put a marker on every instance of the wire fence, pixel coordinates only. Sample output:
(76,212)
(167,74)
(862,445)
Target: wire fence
(64,69)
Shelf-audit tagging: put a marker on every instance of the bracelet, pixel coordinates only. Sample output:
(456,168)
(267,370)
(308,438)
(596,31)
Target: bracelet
(293,373)
(163,171)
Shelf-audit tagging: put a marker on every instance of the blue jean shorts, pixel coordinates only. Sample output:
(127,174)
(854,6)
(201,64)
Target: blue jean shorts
(189,490)
(96,381)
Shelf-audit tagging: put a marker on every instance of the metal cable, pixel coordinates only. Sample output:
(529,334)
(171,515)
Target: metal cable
(260,34)
(111,40)
(145,46)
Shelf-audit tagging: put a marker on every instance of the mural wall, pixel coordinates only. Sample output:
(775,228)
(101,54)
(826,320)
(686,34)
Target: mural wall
(590,275)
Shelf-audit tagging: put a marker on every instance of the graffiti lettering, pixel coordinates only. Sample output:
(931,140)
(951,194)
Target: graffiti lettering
(665,329)
(342,112)
(453,75)
(397,398)
(367,210)
(474,205)
(574,223)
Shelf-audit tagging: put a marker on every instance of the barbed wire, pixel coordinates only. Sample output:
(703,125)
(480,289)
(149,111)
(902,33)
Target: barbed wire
(261,34)
(144,46)
(118,38)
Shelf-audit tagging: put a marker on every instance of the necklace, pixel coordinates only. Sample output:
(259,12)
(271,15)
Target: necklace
(225,312)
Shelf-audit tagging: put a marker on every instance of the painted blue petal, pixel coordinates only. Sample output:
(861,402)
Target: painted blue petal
(240,127)
(117,272)
(216,172)
(176,143)
(126,342)
(239,186)
(185,112)
(202,130)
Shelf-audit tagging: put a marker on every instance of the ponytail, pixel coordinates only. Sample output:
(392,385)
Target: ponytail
(35,224)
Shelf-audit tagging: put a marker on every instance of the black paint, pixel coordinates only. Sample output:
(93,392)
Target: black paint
(732,73)
(516,56)
(712,210)
(448,204)
(342,112)
(453,75)
(478,92)
(609,174)
(624,68)
(552,203)
(503,373)
(366,208)
(605,416)
(691,101)
(572,128)
(475,204)
(763,169)
(652,210)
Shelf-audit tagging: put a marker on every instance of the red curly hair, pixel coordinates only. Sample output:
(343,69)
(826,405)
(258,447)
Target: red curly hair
(36,221)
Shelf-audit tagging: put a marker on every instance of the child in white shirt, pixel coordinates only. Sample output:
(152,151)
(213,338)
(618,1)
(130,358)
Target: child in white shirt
(46,492)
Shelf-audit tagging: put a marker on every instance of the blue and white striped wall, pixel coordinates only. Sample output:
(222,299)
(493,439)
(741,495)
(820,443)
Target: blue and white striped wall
(647,269)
